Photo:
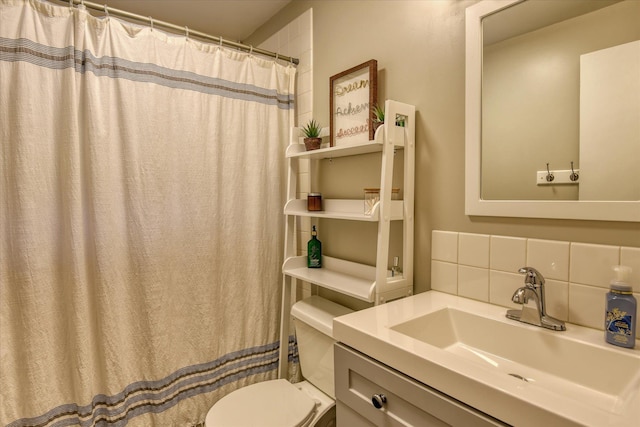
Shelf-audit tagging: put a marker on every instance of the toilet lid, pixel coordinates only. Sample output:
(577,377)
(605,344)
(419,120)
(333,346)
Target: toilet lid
(274,403)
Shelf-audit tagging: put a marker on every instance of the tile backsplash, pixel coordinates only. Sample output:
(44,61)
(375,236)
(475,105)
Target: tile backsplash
(485,267)
(296,40)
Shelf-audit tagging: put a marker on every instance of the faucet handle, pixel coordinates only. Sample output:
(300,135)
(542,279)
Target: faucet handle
(533,277)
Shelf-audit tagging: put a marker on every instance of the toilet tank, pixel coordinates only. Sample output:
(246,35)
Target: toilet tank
(313,320)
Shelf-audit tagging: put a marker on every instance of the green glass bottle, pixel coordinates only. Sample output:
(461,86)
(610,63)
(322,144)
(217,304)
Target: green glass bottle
(314,250)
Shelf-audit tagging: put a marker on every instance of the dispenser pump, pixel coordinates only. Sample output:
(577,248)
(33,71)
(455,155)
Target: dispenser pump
(620,282)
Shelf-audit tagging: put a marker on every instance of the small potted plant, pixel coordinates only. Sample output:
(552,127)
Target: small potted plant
(377,116)
(311,133)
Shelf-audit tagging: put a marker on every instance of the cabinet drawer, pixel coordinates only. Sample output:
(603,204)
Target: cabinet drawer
(408,403)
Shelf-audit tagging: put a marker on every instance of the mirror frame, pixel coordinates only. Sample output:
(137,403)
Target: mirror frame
(474,204)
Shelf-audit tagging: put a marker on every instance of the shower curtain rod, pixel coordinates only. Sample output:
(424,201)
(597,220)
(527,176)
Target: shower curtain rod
(153,22)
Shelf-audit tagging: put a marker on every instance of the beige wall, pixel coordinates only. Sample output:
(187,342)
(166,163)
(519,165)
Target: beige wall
(610,149)
(419,46)
(533,82)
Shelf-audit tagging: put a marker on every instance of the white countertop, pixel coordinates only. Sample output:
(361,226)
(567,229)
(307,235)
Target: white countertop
(501,396)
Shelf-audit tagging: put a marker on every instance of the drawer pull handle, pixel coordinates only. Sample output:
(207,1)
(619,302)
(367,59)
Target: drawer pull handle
(378,400)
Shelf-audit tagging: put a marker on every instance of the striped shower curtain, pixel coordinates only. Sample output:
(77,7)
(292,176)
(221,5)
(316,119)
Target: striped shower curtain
(141,196)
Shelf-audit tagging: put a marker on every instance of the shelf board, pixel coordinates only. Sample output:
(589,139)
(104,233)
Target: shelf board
(343,209)
(396,134)
(298,150)
(346,277)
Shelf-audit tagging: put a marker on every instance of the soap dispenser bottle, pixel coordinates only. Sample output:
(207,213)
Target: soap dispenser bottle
(621,308)
(314,250)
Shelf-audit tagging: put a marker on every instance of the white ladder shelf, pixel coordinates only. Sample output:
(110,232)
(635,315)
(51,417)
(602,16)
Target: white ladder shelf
(373,284)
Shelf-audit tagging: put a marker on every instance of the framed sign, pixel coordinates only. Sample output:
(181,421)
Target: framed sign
(354,92)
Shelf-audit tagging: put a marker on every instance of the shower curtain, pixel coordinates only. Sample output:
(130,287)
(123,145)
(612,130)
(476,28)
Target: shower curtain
(141,219)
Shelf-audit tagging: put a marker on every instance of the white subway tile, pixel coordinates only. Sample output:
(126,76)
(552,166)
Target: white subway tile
(631,258)
(473,250)
(577,274)
(549,257)
(283,38)
(592,264)
(304,105)
(444,277)
(296,27)
(304,289)
(305,85)
(507,253)
(444,246)
(502,285)
(305,227)
(557,299)
(303,117)
(306,61)
(305,37)
(296,47)
(473,283)
(304,185)
(587,305)
(303,166)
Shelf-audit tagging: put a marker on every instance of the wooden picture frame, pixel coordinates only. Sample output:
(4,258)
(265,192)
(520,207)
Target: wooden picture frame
(353,93)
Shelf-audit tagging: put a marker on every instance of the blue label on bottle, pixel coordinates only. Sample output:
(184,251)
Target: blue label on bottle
(618,324)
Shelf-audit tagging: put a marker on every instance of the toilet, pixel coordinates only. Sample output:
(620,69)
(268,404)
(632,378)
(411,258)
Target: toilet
(278,403)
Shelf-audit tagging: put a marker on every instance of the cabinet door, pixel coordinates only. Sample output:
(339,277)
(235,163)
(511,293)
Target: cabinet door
(407,402)
(347,417)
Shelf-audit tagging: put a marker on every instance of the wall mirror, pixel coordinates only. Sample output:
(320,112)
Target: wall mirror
(553,88)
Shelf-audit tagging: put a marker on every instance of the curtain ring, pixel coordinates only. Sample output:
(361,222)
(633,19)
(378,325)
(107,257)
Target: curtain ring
(71,4)
(250,50)
(220,40)
(106,11)
(550,176)
(151,22)
(276,56)
(186,30)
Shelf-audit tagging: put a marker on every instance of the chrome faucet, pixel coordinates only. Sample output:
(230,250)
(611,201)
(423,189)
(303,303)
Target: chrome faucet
(531,296)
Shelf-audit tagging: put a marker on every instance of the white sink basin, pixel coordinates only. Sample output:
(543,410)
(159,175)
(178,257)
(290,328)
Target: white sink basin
(550,360)
(518,373)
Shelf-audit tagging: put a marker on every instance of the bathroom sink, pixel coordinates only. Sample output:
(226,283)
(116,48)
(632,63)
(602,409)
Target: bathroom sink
(515,372)
(545,359)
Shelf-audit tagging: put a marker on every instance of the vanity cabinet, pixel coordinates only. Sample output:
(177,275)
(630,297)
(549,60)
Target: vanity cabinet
(370,283)
(362,382)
